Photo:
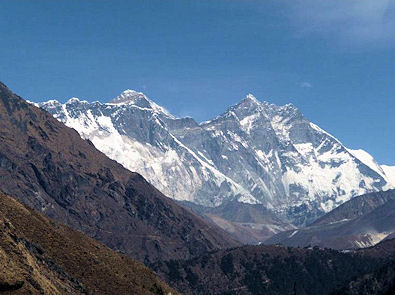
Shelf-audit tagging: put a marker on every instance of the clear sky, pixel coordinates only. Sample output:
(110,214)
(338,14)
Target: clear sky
(334,60)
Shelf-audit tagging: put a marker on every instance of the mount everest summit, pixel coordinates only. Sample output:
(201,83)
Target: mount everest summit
(255,152)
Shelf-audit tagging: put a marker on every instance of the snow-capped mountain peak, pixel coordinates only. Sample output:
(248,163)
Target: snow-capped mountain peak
(368,160)
(249,102)
(138,99)
(390,173)
(255,152)
(251,98)
(130,96)
(53,102)
(387,172)
(73,100)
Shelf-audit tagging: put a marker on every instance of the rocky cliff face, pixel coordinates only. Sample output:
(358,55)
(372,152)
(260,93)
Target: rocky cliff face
(255,152)
(50,168)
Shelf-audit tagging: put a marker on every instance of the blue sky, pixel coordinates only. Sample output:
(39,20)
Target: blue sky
(334,60)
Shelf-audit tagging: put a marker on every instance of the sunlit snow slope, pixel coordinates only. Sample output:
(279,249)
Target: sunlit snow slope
(390,173)
(255,152)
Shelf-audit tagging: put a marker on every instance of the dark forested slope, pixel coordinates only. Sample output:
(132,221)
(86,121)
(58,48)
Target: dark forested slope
(276,270)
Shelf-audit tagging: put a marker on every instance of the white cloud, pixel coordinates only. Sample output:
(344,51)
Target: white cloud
(358,22)
(305,85)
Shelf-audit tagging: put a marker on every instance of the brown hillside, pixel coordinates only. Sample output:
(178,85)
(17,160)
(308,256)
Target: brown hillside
(39,256)
(48,167)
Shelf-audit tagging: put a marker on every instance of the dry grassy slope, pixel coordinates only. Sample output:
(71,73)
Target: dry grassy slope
(39,256)
(48,167)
